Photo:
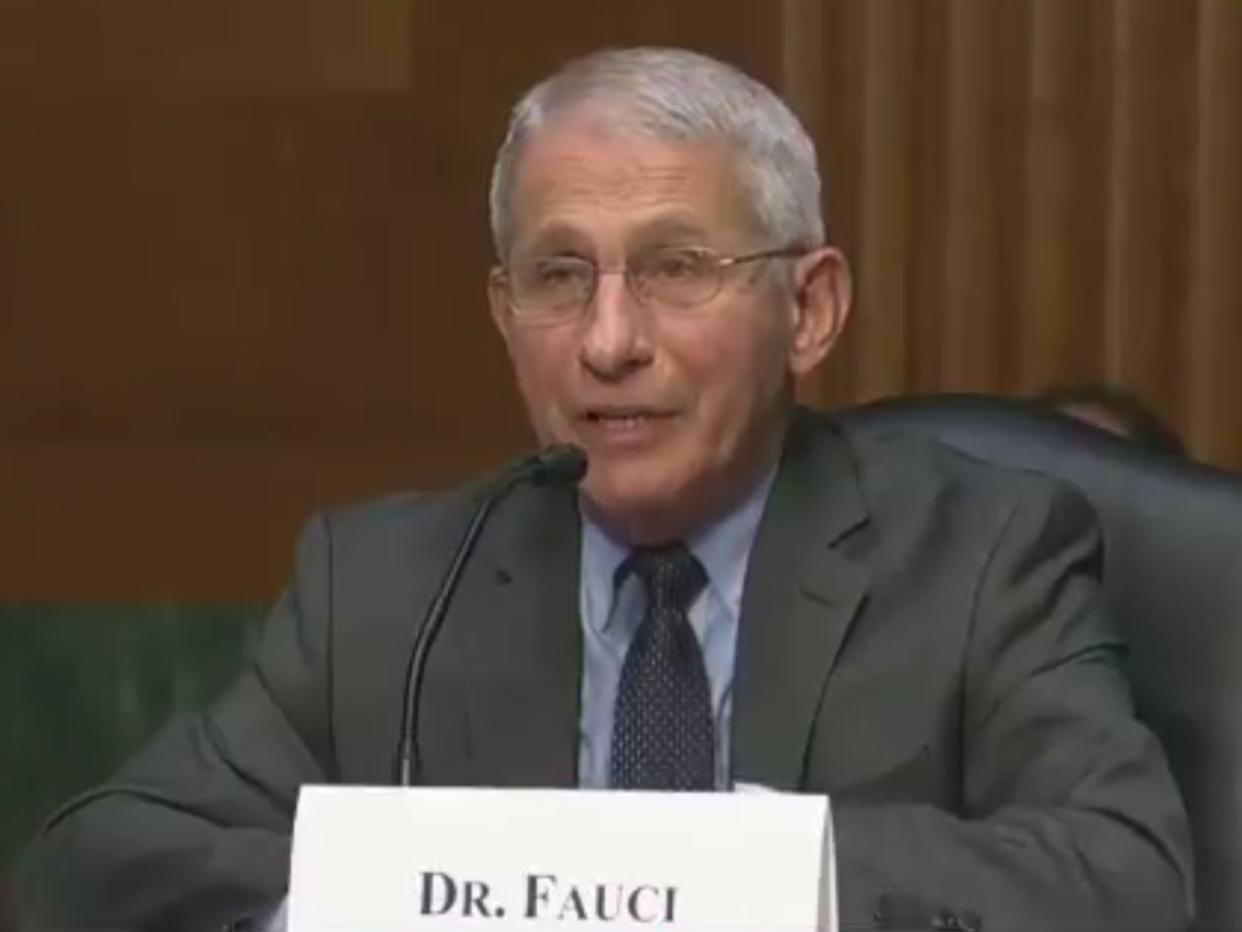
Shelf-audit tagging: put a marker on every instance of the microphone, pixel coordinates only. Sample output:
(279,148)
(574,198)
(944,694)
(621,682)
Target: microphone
(561,463)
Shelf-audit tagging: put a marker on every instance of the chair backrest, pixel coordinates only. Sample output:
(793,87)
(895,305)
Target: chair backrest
(82,687)
(1173,580)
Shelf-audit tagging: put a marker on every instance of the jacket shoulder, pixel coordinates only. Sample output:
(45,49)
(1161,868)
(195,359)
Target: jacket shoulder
(394,517)
(899,470)
(374,545)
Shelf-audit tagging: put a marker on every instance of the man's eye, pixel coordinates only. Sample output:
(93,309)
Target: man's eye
(676,265)
(551,273)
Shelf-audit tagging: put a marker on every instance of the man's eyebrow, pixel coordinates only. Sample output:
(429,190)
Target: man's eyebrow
(671,228)
(555,237)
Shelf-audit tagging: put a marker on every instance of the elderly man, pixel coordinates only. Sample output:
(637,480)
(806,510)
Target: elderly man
(916,634)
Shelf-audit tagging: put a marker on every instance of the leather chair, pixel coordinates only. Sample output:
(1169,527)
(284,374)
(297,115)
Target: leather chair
(1173,579)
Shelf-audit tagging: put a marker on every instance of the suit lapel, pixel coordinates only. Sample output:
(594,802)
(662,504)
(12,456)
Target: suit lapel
(799,600)
(523,691)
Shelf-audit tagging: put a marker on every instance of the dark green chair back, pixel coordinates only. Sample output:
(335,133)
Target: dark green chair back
(82,687)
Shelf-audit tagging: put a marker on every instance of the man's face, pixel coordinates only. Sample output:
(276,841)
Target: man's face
(679,411)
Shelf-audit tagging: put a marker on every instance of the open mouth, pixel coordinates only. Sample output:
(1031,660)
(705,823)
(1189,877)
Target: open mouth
(624,419)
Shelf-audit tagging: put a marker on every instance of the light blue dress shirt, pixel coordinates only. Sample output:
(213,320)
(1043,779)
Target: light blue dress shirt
(611,615)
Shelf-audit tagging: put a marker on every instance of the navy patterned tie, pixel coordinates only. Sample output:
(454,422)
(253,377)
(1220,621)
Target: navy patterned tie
(662,734)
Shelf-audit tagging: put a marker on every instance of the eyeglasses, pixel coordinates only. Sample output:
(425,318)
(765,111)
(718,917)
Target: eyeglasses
(553,288)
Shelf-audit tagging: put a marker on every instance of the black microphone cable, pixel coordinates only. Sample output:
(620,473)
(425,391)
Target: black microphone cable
(561,463)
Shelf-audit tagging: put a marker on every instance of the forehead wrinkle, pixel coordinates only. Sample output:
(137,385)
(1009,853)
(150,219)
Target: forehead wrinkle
(586,180)
(569,177)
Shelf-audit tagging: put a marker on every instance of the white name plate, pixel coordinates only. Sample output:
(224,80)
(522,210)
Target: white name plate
(386,859)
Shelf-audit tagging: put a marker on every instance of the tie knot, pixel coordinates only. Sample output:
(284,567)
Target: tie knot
(672,575)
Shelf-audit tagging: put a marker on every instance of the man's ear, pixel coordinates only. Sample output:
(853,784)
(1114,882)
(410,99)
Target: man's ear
(498,303)
(822,296)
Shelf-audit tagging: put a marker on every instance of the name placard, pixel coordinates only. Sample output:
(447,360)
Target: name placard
(445,860)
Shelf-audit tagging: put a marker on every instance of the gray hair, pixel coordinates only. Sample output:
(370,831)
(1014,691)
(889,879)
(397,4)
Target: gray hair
(679,96)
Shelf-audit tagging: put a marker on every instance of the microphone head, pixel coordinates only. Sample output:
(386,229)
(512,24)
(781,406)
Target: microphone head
(562,462)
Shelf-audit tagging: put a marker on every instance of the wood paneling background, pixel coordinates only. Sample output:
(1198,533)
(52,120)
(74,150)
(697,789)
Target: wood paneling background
(1036,192)
(242,245)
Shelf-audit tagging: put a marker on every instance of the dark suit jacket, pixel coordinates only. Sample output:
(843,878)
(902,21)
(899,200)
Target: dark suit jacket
(921,637)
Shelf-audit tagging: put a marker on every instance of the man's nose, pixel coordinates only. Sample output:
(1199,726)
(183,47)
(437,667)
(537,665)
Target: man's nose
(615,339)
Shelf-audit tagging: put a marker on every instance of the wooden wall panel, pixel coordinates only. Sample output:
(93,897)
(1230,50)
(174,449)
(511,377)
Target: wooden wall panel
(1058,292)
(242,256)
(59,50)
(1148,199)
(885,182)
(1212,334)
(1033,193)
(242,246)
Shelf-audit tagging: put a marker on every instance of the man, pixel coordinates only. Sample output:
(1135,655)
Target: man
(914,633)
(1113,409)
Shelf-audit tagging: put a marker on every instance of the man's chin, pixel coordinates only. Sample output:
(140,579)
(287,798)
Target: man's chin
(634,514)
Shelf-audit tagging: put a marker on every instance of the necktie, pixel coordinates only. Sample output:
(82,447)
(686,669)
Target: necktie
(662,737)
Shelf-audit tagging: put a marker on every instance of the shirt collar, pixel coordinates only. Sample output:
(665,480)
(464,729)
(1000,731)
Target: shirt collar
(723,547)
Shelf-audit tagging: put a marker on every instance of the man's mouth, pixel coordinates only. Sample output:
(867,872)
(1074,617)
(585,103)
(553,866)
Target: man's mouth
(624,418)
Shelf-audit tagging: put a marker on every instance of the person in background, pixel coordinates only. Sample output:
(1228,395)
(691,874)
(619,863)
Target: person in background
(1117,411)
